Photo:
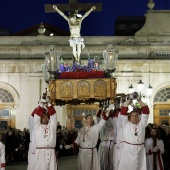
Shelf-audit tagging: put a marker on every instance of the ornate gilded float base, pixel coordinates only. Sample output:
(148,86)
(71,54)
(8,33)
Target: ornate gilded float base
(76,91)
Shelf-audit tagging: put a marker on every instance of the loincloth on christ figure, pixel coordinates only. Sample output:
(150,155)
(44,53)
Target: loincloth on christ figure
(76,41)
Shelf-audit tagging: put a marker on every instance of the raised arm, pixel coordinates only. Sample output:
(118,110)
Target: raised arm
(124,108)
(123,112)
(103,121)
(53,116)
(77,141)
(60,12)
(145,112)
(98,115)
(88,12)
(37,116)
(31,122)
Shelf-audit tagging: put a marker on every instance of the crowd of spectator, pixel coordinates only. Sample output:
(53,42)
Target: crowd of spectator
(17,143)
(66,137)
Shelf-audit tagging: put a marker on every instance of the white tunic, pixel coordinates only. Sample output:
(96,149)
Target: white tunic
(87,158)
(31,152)
(105,151)
(32,145)
(31,125)
(149,158)
(117,147)
(45,159)
(2,156)
(133,155)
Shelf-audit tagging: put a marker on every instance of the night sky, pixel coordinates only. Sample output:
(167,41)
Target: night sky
(17,15)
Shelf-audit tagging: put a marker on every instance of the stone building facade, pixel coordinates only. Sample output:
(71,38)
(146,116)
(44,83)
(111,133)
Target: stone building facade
(144,56)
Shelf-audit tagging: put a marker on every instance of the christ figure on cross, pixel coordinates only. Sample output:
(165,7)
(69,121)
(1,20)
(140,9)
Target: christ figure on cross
(74,20)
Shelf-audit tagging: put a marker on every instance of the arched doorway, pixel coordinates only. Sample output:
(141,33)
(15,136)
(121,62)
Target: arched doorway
(162,106)
(8,102)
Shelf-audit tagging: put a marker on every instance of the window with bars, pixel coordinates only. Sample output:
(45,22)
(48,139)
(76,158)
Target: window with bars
(78,124)
(164,112)
(77,112)
(162,95)
(5,96)
(4,113)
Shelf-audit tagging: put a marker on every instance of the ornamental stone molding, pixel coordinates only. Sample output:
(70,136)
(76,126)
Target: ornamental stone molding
(156,28)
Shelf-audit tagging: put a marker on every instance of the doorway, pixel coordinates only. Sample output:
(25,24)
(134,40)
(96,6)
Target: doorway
(162,114)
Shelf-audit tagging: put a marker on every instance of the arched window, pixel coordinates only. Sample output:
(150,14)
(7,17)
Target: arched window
(6,99)
(5,96)
(9,99)
(162,95)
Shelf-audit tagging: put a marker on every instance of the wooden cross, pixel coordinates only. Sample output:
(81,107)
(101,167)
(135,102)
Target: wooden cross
(72,6)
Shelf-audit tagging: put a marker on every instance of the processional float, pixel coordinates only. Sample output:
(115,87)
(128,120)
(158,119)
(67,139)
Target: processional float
(77,83)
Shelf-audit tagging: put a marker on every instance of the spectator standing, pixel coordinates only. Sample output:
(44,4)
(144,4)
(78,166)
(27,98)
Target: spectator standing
(154,148)
(167,149)
(10,146)
(59,127)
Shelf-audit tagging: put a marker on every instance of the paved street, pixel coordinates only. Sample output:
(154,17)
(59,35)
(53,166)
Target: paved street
(65,163)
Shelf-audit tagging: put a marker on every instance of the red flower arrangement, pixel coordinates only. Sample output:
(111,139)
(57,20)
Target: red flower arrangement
(82,74)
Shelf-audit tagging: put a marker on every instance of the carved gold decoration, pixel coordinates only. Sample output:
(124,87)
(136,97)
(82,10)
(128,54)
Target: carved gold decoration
(76,91)
(83,89)
(100,88)
(66,89)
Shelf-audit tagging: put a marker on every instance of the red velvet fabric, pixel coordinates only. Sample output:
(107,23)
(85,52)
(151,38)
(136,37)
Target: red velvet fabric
(3,165)
(32,114)
(99,113)
(39,111)
(51,110)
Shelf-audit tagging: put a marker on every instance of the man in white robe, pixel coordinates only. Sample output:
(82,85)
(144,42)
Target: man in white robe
(133,155)
(2,153)
(107,138)
(118,137)
(45,131)
(87,141)
(32,145)
(157,150)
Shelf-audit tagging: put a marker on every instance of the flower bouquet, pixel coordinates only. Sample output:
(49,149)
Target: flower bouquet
(77,71)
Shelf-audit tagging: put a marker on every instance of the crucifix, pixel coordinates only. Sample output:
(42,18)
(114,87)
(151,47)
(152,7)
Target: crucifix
(74,20)
(72,6)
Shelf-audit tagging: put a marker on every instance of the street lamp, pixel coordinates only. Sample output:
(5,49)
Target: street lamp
(45,68)
(140,85)
(54,59)
(149,90)
(131,89)
(110,56)
(140,88)
(51,63)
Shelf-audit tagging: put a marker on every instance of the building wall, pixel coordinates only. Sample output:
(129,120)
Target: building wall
(154,72)
(25,78)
